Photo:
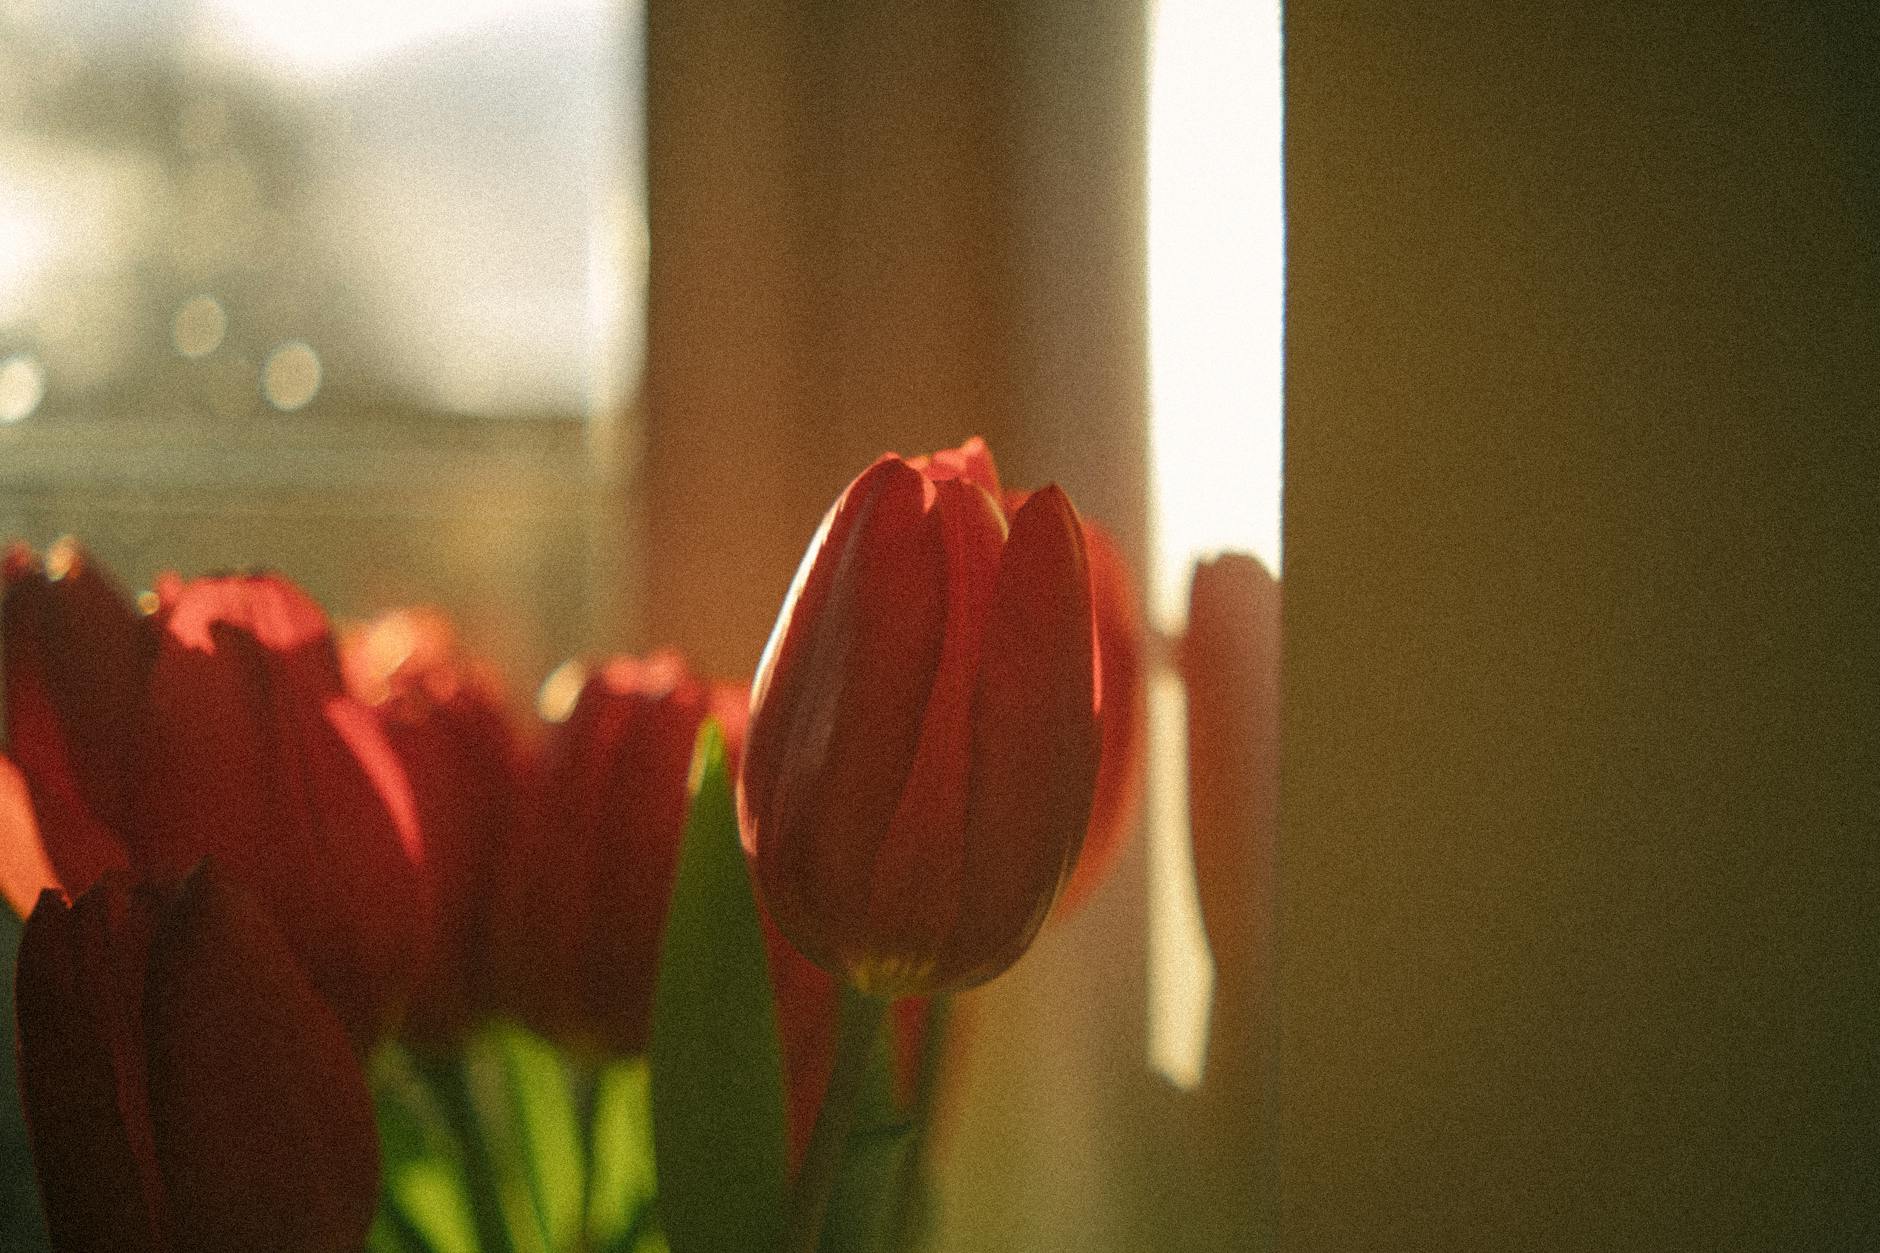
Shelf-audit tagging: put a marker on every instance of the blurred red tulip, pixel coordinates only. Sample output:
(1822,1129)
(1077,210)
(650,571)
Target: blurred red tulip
(923,741)
(445,716)
(583,899)
(1230,664)
(185,1087)
(216,724)
(76,666)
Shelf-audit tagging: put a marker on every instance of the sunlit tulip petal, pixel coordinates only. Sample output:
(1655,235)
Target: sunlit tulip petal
(445,718)
(844,686)
(257,756)
(1035,740)
(971,461)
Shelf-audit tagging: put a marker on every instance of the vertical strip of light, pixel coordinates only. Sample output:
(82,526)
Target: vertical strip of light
(1216,273)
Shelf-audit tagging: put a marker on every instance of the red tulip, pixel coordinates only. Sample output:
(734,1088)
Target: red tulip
(217,724)
(923,741)
(444,714)
(584,899)
(185,1087)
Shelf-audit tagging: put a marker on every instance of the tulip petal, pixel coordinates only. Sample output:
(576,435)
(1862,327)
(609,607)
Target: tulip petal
(838,704)
(81,1070)
(914,890)
(534,950)
(74,664)
(1035,742)
(805,996)
(25,869)
(264,1128)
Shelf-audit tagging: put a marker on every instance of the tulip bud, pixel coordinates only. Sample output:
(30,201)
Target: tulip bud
(257,755)
(585,898)
(444,714)
(923,740)
(217,724)
(185,1087)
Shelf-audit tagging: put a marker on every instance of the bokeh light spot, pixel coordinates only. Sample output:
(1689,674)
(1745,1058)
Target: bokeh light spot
(22,387)
(291,377)
(61,558)
(199,326)
(560,690)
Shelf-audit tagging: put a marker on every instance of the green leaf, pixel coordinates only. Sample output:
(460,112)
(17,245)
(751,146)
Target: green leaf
(717,1080)
(621,1182)
(389,1236)
(424,1202)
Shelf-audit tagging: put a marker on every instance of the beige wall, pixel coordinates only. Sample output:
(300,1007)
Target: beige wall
(1579,860)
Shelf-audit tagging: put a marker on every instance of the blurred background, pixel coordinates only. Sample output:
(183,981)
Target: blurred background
(571,316)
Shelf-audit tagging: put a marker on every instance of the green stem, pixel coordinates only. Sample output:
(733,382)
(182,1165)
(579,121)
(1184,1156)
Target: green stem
(451,1081)
(911,1187)
(858,1022)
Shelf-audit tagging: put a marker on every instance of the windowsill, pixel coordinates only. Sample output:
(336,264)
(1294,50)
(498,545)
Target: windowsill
(275,455)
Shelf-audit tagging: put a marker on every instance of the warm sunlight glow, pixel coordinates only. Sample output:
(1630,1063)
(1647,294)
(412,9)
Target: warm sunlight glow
(1215,281)
(24,251)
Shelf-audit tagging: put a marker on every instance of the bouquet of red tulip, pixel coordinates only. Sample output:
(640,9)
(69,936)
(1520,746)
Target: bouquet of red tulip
(327,950)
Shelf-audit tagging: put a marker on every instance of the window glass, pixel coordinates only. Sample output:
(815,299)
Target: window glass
(342,287)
